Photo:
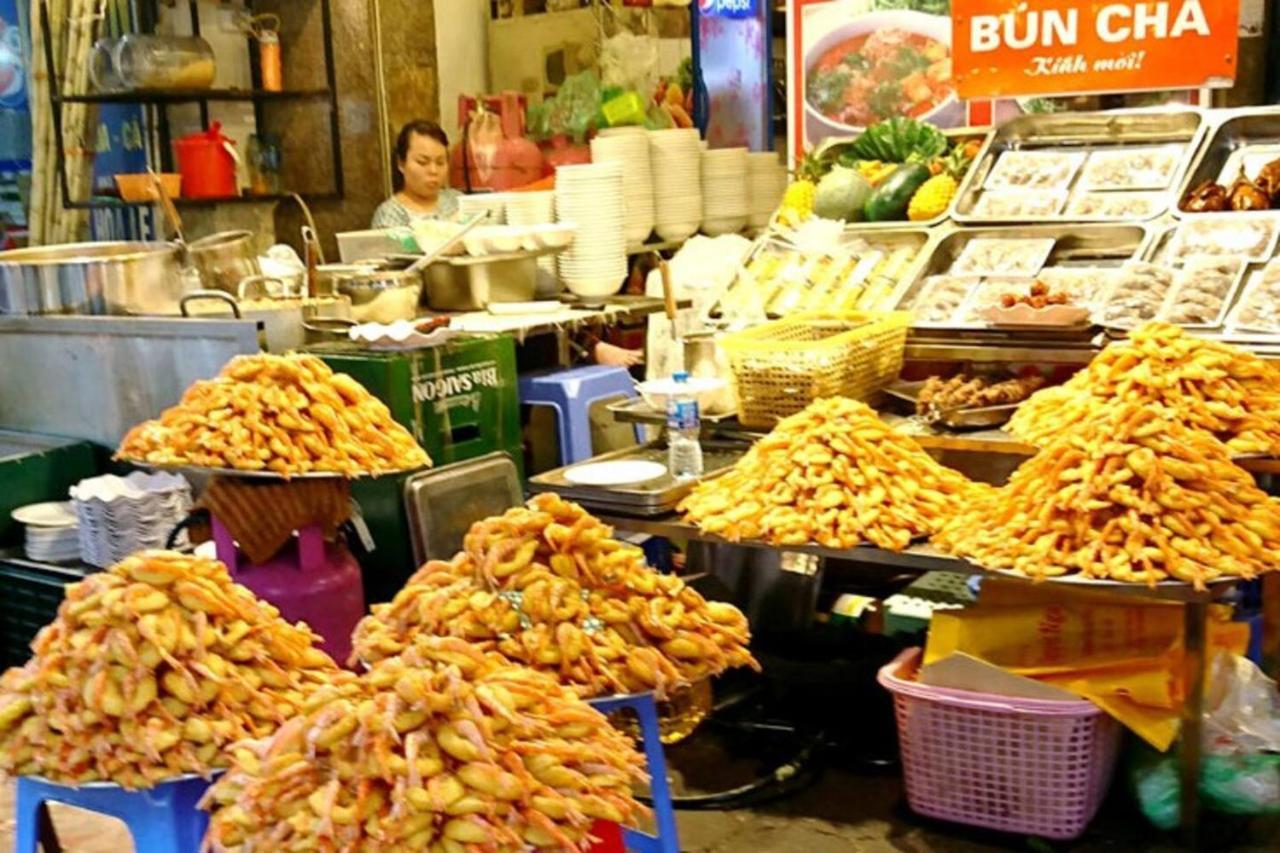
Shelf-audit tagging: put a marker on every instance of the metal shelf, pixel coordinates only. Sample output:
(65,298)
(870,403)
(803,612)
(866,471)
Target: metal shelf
(184,96)
(108,202)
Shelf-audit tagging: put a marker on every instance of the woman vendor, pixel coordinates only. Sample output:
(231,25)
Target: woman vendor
(420,174)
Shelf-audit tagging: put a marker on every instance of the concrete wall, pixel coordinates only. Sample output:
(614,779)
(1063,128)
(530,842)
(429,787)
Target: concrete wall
(461,54)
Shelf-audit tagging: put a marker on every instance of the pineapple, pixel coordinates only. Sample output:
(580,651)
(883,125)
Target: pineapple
(797,201)
(932,198)
(936,193)
(875,171)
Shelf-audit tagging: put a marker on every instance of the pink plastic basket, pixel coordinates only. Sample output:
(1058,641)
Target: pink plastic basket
(1029,766)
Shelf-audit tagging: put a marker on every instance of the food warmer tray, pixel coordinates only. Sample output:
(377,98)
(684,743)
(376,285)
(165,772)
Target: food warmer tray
(653,498)
(636,411)
(265,475)
(985,417)
(1080,132)
(1227,132)
(1079,244)
(954,135)
(1156,253)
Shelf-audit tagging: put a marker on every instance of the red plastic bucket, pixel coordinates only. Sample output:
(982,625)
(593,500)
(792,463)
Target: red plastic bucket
(207,161)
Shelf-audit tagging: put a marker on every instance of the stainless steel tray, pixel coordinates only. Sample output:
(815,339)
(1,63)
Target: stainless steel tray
(984,417)
(911,235)
(954,134)
(655,497)
(263,475)
(1227,132)
(1077,132)
(1096,244)
(443,503)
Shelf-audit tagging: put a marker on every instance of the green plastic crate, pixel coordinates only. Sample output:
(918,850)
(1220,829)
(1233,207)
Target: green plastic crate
(32,594)
(36,468)
(460,400)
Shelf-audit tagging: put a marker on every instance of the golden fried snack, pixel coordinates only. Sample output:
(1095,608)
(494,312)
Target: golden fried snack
(151,670)
(1208,385)
(833,475)
(289,414)
(549,587)
(442,748)
(1133,497)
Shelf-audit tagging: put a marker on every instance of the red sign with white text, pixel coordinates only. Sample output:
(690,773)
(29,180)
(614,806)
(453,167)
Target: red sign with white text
(1012,48)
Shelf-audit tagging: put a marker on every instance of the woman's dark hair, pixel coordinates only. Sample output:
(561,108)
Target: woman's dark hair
(420,127)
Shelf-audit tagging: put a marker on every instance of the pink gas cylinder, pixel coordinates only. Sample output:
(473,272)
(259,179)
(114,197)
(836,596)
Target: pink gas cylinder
(309,580)
(493,153)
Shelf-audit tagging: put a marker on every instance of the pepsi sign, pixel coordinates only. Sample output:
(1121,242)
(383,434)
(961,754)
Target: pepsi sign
(727,8)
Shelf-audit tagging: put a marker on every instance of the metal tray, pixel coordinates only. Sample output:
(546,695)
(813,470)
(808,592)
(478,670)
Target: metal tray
(263,475)
(954,134)
(655,497)
(1227,132)
(442,503)
(1094,243)
(888,239)
(1076,132)
(957,419)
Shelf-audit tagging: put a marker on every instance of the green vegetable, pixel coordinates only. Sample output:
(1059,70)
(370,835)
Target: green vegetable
(890,199)
(885,99)
(856,61)
(906,62)
(932,7)
(841,194)
(899,140)
(826,89)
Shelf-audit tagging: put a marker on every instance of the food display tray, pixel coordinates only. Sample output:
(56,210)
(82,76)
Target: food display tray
(1227,135)
(1091,244)
(264,475)
(887,240)
(954,135)
(1083,133)
(1157,252)
(985,417)
(653,498)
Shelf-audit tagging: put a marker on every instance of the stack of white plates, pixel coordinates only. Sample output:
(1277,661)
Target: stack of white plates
(631,149)
(590,196)
(766,185)
(494,204)
(51,531)
(726,201)
(675,158)
(536,208)
(120,515)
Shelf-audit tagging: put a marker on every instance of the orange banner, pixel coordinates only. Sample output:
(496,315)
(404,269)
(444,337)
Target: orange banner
(1011,48)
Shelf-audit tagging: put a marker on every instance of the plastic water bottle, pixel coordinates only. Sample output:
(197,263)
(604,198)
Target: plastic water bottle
(684,453)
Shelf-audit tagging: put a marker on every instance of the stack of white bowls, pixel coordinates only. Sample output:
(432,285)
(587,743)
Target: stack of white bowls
(120,515)
(52,534)
(590,197)
(630,147)
(536,208)
(726,201)
(675,157)
(767,182)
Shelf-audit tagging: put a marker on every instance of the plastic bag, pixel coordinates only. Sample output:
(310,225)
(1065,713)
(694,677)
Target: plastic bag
(1229,784)
(574,108)
(1243,709)
(484,141)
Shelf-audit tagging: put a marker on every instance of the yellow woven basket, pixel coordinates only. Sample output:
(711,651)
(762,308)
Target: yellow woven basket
(783,366)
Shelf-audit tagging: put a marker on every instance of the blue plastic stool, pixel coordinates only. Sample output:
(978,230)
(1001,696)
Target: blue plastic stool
(666,841)
(163,819)
(571,393)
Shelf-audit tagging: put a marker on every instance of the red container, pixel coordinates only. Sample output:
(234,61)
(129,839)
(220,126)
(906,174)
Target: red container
(608,837)
(207,161)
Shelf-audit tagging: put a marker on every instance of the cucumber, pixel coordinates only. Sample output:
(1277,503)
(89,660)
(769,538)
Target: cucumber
(889,200)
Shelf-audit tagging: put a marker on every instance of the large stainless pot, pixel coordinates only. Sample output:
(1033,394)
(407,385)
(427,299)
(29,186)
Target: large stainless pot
(92,278)
(225,259)
(287,324)
(384,296)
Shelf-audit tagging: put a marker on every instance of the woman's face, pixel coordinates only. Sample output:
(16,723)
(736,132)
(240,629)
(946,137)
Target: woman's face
(426,166)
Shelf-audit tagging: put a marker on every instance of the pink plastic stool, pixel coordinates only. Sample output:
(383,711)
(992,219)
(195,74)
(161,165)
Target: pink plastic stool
(309,580)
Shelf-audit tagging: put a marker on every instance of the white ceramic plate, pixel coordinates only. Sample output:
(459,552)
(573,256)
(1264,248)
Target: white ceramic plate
(47,514)
(623,472)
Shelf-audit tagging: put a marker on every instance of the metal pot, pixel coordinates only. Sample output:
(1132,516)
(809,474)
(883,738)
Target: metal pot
(384,296)
(287,324)
(225,259)
(93,278)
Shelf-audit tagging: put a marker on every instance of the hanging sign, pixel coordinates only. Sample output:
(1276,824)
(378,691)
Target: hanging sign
(1012,48)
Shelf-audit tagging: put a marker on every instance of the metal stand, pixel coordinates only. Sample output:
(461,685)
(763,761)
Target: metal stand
(1194,629)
